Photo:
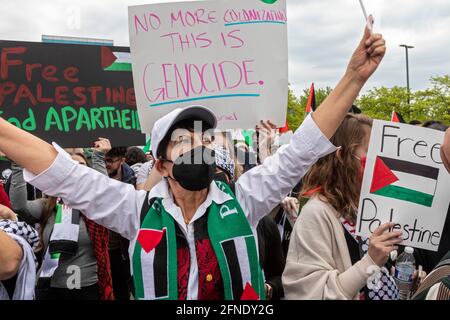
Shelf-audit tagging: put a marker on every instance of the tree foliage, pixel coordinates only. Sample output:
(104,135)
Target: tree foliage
(432,103)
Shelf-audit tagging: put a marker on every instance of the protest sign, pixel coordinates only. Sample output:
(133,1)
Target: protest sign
(70,94)
(227,55)
(406,183)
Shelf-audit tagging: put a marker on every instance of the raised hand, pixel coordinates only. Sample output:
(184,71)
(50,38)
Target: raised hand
(367,56)
(102,145)
(267,132)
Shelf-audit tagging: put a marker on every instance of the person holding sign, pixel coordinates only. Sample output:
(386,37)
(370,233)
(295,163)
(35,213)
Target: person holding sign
(326,260)
(187,216)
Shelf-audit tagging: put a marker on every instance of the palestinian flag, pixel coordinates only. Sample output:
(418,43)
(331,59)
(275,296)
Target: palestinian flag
(155,248)
(403,180)
(239,266)
(50,264)
(311,104)
(115,61)
(397,117)
(285,128)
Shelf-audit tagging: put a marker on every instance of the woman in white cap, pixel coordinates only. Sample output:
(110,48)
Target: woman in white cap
(192,238)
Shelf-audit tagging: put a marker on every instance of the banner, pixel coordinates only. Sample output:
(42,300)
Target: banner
(69,94)
(228,55)
(406,183)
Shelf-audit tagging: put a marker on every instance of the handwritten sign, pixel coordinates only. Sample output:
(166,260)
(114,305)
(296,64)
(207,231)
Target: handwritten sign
(405,182)
(70,94)
(228,55)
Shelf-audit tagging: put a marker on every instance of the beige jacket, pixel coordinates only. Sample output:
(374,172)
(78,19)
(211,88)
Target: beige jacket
(318,264)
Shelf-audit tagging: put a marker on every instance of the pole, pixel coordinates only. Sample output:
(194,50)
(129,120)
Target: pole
(407,70)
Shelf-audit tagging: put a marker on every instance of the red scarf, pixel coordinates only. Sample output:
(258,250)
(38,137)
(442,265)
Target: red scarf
(99,238)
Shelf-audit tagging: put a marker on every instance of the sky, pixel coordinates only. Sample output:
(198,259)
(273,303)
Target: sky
(322,34)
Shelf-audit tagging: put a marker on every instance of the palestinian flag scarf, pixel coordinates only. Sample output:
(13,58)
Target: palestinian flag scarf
(63,240)
(155,253)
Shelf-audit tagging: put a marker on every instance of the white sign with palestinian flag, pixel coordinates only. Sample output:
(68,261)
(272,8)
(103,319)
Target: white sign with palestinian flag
(405,182)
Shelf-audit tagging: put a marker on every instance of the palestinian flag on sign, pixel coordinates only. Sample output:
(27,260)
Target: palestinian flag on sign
(403,180)
(115,61)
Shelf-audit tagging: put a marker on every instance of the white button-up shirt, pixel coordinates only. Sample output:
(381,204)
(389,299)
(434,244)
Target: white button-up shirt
(117,206)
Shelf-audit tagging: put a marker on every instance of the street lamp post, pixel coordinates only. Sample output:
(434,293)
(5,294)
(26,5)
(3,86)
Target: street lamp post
(407,68)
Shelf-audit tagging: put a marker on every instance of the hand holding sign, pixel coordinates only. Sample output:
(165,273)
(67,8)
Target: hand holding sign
(367,56)
(405,182)
(445,150)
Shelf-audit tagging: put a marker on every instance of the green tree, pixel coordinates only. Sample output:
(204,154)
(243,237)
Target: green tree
(378,103)
(430,104)
(295,113)
(297,105)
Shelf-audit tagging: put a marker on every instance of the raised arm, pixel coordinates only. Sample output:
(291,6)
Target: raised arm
(262,188)
(108,202)
(30,211)
(28,151)
(363,63)
(101,148)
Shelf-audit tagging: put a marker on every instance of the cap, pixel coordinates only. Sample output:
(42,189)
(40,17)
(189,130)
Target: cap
(162,126)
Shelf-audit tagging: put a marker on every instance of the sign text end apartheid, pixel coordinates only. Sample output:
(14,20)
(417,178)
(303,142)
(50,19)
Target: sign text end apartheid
(69,94)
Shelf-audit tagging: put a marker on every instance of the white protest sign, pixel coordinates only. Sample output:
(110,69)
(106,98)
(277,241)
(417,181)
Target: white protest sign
(405,183)
(227,55)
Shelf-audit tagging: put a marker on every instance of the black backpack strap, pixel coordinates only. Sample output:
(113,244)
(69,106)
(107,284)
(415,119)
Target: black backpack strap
(355,253)
(146,206)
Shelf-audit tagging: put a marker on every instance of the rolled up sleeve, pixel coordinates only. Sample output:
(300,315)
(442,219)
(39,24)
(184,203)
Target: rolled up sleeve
(264,187)
(110,203)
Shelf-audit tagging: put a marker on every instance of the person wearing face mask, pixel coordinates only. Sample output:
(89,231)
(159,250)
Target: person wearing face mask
(326,260)
(190,236)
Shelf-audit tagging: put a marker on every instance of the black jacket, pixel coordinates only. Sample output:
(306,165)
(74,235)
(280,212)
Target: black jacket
(430,259)
(271,256)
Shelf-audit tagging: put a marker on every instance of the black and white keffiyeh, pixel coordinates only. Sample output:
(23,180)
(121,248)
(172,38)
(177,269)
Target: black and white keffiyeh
(21,229)
(28,238)
(224,160)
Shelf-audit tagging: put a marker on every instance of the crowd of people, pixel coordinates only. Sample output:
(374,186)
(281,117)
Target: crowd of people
(202,218)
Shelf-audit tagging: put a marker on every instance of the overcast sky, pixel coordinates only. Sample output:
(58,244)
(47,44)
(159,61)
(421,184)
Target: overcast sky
(322,33)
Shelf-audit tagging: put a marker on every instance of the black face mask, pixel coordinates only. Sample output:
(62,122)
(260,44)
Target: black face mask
(194,170)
